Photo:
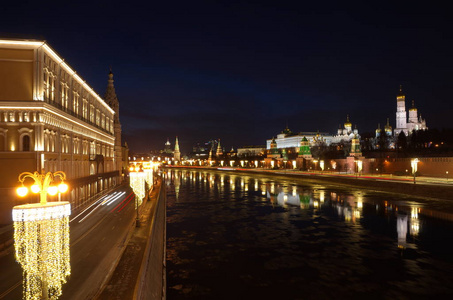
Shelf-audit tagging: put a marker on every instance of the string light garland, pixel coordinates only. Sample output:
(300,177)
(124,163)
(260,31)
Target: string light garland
(147,168)
(137,183)
(41,238)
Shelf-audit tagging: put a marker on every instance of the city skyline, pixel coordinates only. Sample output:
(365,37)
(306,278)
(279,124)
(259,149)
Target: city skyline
(242,72)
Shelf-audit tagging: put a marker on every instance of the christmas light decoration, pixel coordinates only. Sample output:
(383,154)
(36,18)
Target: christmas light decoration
(41,238)
(148,169)
(137,183)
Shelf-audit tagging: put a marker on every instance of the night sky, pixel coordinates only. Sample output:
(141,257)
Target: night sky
(241,71)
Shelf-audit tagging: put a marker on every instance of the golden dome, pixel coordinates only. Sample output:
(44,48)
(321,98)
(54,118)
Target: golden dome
(347,124)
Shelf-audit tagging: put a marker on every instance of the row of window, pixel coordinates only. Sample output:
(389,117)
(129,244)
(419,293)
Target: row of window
(66,144)
(61,95)
(13,116)
(77,168)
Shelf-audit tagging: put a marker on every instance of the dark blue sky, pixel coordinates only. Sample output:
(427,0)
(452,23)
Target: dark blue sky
(240,71)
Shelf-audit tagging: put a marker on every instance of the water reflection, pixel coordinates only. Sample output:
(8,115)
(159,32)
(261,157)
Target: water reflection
(349,207)
(315,233)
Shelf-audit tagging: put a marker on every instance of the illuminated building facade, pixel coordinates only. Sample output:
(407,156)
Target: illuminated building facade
(51,119)
(404,124)
(250,151)
(288,139)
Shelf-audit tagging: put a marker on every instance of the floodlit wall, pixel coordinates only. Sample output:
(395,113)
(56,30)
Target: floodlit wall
(16,74)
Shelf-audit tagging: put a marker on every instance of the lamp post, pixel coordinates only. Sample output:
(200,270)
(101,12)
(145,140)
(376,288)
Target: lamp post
(446,174)
(41,236)
(414,163)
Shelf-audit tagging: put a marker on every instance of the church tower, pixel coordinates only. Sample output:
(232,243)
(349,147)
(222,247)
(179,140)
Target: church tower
(401,117)
(177,153)
(413,118)
(112,101)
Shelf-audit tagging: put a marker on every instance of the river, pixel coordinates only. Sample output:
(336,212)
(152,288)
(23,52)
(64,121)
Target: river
(247,236)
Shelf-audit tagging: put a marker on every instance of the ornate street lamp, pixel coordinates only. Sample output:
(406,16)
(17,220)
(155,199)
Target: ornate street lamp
(41,237)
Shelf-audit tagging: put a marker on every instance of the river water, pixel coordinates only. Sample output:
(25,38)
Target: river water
(242,236)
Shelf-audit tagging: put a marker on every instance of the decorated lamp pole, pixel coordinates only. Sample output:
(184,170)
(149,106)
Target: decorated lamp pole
(41,237)
(137,180)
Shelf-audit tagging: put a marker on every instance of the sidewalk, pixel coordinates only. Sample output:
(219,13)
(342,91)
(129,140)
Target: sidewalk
(122,283)
(389,177)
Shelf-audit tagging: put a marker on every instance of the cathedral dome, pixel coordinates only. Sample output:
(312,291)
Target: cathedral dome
(347,124)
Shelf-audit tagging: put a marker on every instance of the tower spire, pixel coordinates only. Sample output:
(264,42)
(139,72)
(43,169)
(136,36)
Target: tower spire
(110,96)
(177,153)
(401,91)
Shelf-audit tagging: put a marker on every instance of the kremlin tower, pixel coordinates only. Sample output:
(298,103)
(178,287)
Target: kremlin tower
(219,150)
(177,153)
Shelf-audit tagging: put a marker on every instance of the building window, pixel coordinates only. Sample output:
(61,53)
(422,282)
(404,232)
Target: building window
(26,143)
(98,117)
(92,113)
(85,108)
(2,139)
(75,103)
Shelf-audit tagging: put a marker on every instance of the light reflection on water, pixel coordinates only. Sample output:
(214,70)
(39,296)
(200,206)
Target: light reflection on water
(242,236)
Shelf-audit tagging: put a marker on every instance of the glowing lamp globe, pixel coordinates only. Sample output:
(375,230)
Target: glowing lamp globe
(52,190)
(22,191)
(62,187)
(35,188)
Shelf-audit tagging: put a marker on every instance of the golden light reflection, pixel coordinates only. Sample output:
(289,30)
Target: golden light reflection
(321,196)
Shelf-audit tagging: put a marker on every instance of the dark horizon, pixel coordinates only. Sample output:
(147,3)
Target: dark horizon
(241,72)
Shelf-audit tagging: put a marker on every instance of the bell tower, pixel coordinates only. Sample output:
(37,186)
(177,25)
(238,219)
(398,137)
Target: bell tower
(401,116)
(112,100)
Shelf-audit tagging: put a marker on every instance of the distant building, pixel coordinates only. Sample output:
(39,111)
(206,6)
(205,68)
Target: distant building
(249,151)
(167,148)
(204,150)
(288,139)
